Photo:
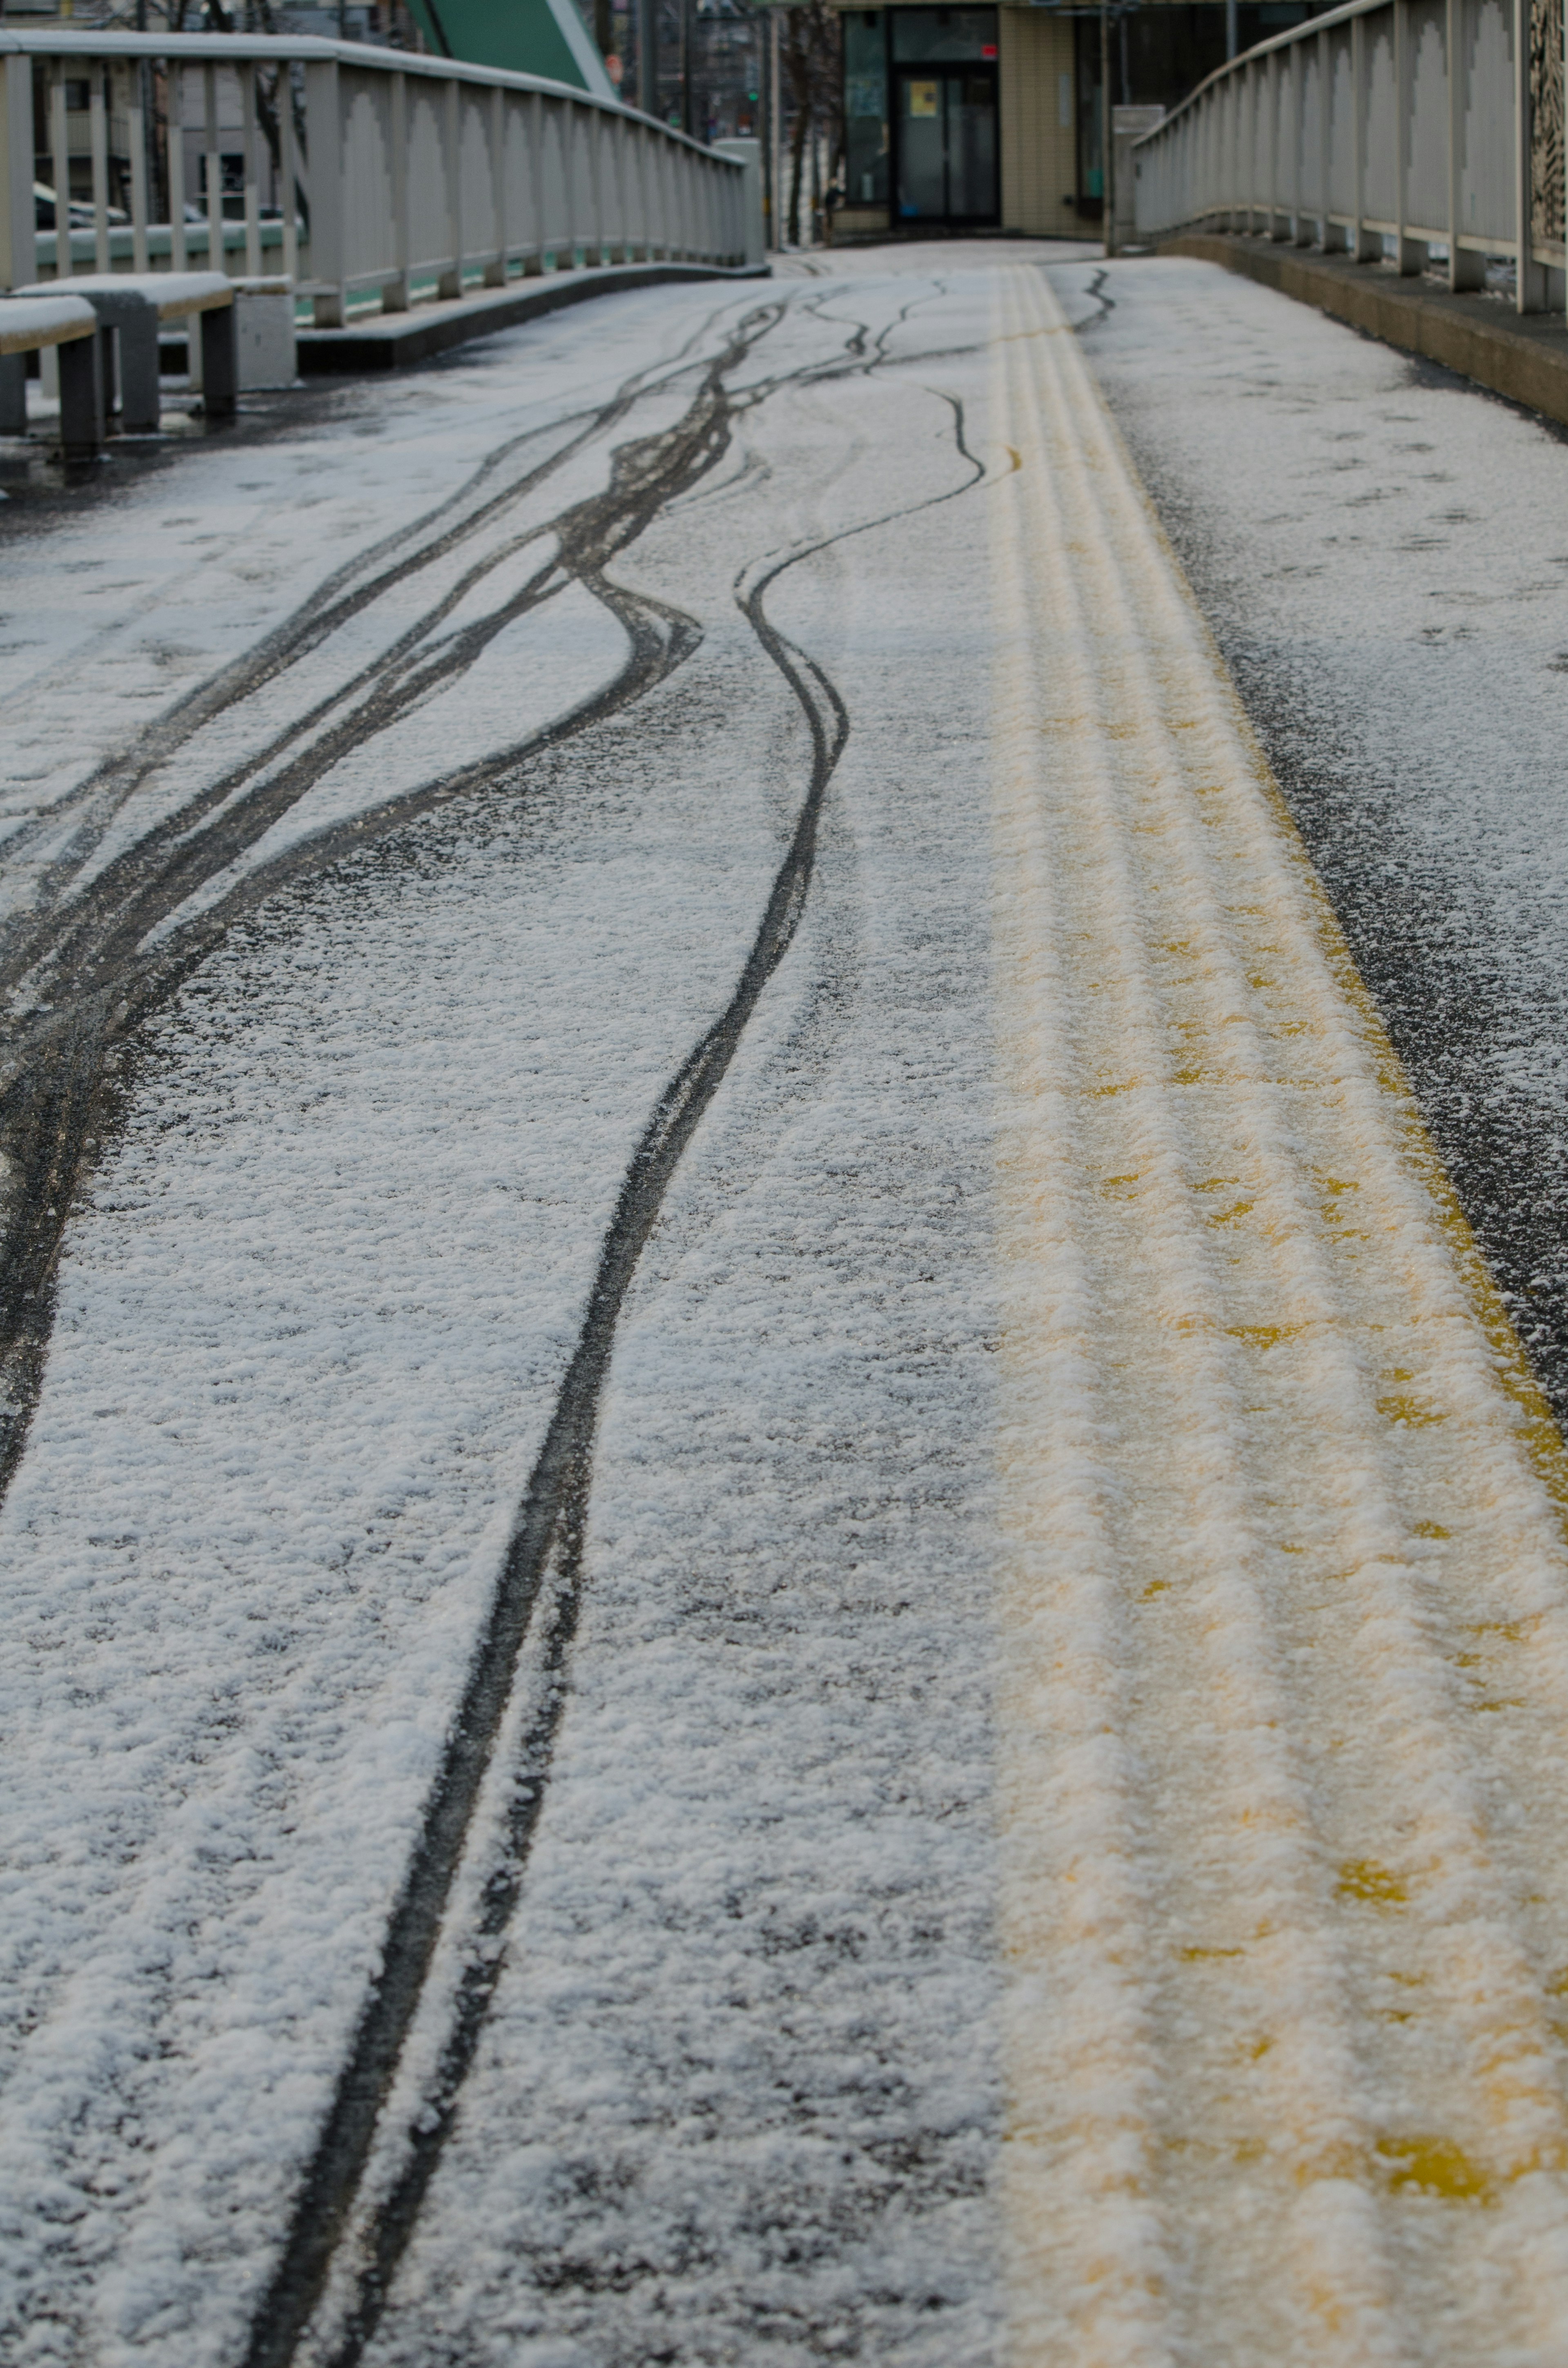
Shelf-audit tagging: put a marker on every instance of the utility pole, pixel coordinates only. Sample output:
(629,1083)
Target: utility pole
(765,129)
(776,129)
(1107,137)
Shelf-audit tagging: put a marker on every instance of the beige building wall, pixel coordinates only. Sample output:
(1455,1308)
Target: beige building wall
(1040,165)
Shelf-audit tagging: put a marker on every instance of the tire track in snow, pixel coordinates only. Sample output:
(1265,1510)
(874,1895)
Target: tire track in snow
(89,973)
(62,1098)
(81,979)
(542,1568)
(351,589)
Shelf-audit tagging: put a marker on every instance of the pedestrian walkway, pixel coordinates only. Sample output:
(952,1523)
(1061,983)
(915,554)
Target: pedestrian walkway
(779,1583)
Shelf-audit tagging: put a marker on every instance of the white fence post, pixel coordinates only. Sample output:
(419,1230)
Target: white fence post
(1330,233)
(395,294)
(98,135)
(566,134)
(1530,281)
(495,136)
(136,141)
(449,279)
(1466,268)
(253,195)
(324,138)
(18,242)
(59,168)
(174,101)
(535,260)
(213,167)
(288,167)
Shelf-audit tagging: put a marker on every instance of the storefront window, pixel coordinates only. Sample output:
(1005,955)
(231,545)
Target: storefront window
(928,36)
(865,108)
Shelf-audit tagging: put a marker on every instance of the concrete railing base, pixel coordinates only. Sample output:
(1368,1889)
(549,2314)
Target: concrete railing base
(388,341)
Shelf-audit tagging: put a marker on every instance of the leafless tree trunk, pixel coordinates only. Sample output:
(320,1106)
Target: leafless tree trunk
(809,56)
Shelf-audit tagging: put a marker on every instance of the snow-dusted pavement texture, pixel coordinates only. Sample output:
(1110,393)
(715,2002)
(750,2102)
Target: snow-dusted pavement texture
(777,1582)
(1382,551)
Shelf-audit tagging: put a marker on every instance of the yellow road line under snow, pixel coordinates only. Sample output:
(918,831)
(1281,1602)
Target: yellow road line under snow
(1285,1714)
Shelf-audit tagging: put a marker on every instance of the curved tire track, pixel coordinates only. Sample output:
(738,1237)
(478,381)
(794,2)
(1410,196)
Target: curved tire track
(97,980)
(88,960)
(343,597)
(542,1566)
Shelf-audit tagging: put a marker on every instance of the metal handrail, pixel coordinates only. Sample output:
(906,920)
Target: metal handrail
(395,170)
(1396,130)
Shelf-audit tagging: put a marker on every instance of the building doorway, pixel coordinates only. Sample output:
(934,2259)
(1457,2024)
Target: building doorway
(945,145)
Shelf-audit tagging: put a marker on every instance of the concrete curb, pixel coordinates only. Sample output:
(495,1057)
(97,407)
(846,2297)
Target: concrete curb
(1521,355)
(388,341)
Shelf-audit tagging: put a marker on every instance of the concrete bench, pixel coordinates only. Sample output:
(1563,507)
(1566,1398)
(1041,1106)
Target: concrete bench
(130,305)
(27,324)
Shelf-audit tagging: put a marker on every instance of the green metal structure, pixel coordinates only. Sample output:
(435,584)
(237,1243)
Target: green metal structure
(535,37)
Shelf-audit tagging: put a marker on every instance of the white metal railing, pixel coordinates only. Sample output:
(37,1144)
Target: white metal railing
(384,174)
(1383,130)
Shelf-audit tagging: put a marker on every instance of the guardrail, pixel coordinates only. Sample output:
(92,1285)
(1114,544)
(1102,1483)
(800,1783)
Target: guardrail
(381,170)
(1383,130)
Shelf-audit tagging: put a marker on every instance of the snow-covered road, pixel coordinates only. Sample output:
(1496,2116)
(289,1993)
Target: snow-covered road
(776,1582)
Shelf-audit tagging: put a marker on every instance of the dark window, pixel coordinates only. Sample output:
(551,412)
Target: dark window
(230,173)
(932,36)
(865,110)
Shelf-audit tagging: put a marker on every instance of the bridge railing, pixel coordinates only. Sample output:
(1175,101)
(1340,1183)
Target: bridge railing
(362,172)
(1383,130)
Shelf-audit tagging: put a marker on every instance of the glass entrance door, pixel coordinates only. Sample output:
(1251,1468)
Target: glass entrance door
(946,119)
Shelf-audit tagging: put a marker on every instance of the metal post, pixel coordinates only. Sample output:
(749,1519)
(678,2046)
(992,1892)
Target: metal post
(1232,31)
(60,164)
(1366,246)
(136,133)
(765,98)
(81,396)
(1107,141)
(214,172)
(1465,268)
(452,280)
(1529,277)
(1326,143)
(324,147)
(98,137)
(496,270)
(775,129)
(1274,128)
(538,121)
(395,297)
(18,240)
(174,85)
(252,193)
(283,100)
(565,248)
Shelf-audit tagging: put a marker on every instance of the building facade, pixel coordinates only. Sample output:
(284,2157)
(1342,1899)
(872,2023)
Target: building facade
(972,119)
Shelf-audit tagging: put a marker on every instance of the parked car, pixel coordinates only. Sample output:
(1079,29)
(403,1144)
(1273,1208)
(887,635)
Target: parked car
(81,211)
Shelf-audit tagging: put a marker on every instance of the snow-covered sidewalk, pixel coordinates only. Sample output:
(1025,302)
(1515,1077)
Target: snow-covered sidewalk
(777,1584)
